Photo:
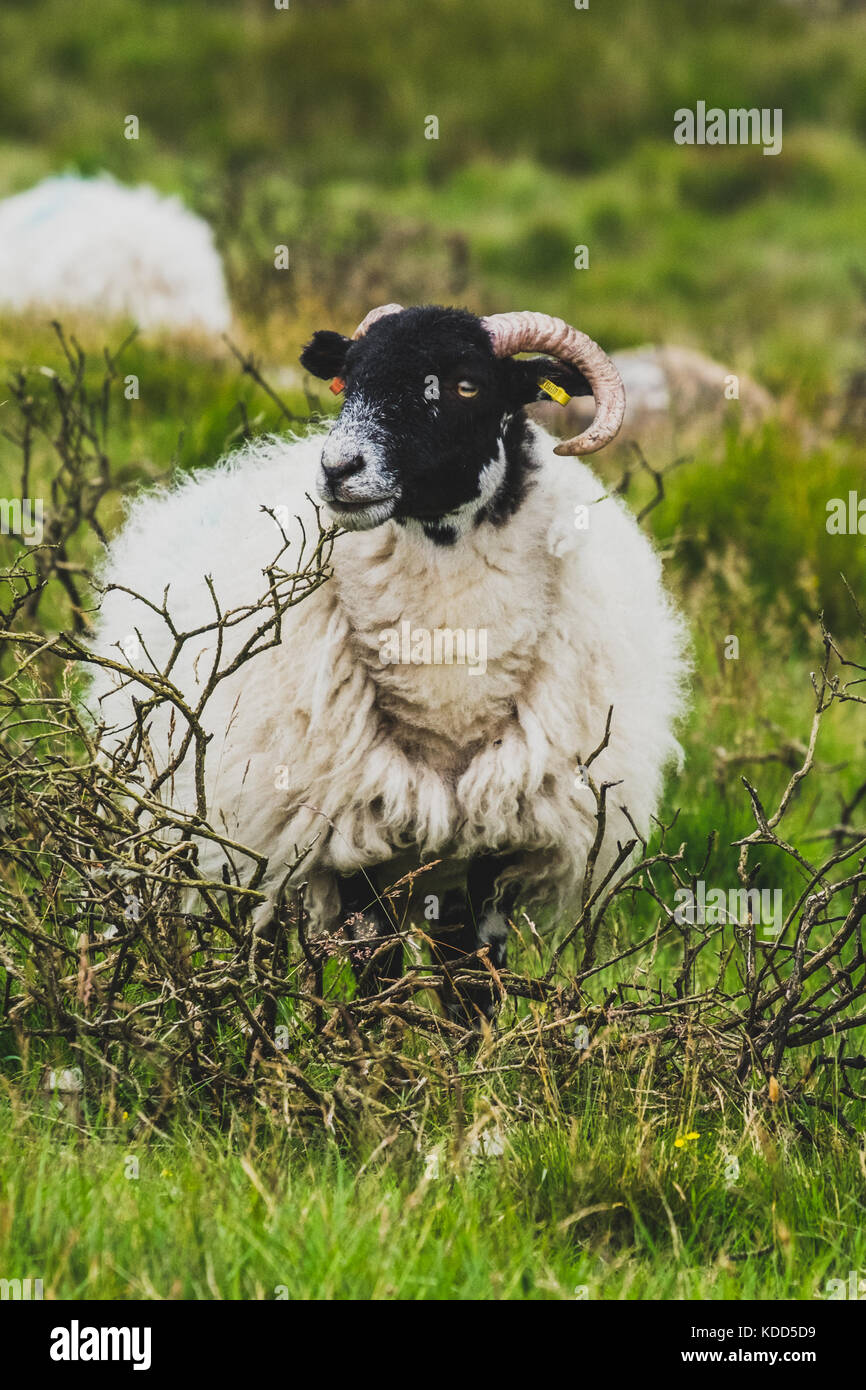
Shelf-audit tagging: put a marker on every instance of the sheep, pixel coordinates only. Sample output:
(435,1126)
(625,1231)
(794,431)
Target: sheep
(73,244)
(459,517)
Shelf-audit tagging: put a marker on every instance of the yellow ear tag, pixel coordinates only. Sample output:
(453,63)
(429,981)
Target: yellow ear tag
(555,392)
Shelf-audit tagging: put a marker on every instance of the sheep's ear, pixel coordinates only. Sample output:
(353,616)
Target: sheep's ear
(527,374)
(325,354)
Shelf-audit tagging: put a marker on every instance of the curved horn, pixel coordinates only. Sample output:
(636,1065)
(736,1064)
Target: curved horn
(373,317)
(525,330)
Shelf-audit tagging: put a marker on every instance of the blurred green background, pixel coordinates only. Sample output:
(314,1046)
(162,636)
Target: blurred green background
(306,126)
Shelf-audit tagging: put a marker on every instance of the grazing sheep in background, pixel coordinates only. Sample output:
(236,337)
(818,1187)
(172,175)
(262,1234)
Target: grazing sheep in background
(675,396)
(92,245)
(460,520)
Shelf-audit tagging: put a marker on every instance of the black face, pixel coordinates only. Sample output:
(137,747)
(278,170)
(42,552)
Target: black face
(431,428)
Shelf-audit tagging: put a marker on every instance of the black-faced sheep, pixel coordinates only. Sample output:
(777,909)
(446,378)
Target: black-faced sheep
(435,698)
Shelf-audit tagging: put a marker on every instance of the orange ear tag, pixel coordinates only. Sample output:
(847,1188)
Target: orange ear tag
(337,385)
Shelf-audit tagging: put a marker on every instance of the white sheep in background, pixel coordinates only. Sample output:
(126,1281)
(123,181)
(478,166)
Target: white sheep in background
(94,246)
(345,740)
(676,396)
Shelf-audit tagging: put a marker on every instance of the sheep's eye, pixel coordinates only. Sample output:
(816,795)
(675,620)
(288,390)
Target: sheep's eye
(467,389)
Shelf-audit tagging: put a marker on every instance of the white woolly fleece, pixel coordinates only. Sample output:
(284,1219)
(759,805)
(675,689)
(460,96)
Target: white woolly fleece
(94,245)
(384,757)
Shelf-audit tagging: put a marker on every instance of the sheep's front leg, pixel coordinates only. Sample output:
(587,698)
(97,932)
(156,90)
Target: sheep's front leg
(369,926)
(468,923)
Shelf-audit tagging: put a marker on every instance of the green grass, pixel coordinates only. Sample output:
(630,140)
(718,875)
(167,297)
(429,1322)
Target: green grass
(590,1201)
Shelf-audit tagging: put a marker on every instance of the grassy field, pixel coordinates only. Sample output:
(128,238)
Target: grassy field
(589,1200)
(513,1180)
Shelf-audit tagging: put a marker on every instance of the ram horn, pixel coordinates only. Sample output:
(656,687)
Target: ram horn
(373,317)
(527,331)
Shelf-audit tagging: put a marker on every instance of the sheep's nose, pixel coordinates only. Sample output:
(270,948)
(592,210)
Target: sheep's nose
(343,469)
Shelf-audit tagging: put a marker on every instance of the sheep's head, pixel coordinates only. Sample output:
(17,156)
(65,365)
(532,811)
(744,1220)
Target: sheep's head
(433,397)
